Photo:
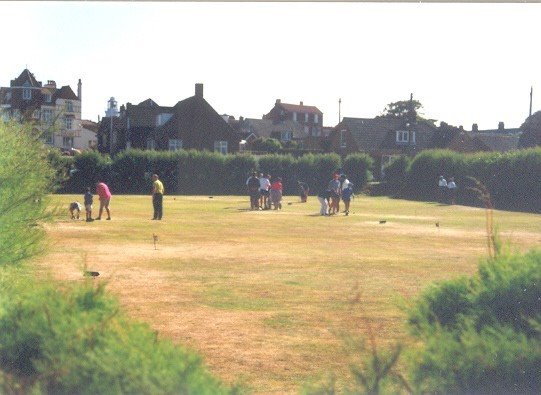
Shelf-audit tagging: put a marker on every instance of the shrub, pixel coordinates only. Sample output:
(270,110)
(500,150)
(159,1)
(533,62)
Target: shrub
(357,168)
(266,145)
(396,175)
(25,180)
(76,340)
(481,335)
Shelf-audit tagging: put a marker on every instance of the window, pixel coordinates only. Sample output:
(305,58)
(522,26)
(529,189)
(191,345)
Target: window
(162,118)
(343,141)
(35,114)
(175,144)
(69,106)
(8,95)
(47,116)
(402,136)
(295,116)
(68,123)
(27,94)
(5,115)
(305,117)
(307,130)
(49,137)
(48,97)
(286,136)
(67,142)
(317,131)
(316,118)
(151,144)
(220,146)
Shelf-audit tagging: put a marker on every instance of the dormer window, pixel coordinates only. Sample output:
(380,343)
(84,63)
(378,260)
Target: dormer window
(27,94)
(305,117)
(48,97)
(402,136)
(295,116)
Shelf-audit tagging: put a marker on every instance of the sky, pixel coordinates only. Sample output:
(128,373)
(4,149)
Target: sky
(466,63)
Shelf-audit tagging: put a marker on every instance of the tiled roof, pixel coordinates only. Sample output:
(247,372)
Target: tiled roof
(299,108)
(498,141)
(148,102)
(26,75)
(65,93)
(266,127)
(89,125)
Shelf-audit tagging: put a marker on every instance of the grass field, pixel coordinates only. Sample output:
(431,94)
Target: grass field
(265,296)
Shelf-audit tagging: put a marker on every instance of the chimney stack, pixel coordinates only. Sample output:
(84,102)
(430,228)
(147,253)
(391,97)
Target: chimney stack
(501,127)
(474,128)
(301,103)
(79,90)
(199,91)
(278,101)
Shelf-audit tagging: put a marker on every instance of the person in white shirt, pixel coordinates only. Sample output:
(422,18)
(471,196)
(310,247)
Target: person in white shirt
(451,186)
(264,186)
(442,189)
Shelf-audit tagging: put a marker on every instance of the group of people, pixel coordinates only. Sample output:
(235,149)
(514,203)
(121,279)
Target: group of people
(104,194)
(264,191)
(338,189)
(447,190)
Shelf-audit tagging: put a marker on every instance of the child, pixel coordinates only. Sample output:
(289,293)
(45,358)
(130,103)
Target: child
(347,194)
(88,205)
(75,207)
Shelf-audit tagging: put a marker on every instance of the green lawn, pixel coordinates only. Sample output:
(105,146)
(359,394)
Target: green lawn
(265,296)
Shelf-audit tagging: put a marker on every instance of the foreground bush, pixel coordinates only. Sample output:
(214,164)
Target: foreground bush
(481,335)
(77,340)
(25,180)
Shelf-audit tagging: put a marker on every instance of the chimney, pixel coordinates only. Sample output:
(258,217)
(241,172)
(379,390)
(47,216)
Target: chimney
(461,128)
(199,91)
(474,128)
(79,90)
(278,101)
(301,103)
(51,84)
(501,127)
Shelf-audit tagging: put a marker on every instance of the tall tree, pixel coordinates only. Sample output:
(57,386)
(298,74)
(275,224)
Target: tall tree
(410,110)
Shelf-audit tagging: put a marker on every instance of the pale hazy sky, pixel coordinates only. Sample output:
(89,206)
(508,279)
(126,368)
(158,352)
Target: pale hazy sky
(466,63)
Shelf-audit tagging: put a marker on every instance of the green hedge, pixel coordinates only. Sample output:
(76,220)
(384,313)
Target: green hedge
(511,178)
(481,335)
(191,172)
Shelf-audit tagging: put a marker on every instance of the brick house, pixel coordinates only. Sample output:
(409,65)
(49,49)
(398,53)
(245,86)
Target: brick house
(310,117)
(190,124)
(382,138)
(54,111)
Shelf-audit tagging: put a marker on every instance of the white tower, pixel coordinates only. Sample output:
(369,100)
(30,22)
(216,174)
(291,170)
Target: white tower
(112,110)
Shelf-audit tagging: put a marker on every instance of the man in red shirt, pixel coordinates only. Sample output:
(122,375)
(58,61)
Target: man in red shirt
(102,190)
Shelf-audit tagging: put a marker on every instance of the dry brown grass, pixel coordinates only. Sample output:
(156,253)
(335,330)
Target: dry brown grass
(265,296)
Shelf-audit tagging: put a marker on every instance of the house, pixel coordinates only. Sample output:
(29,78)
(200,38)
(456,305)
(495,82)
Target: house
(500,139)
(55,111)
(285,131)
(190,124)
(310,117)
(88,138)
(383,138)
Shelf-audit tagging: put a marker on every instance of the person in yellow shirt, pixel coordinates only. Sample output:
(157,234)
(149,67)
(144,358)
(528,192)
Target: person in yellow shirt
(157,197)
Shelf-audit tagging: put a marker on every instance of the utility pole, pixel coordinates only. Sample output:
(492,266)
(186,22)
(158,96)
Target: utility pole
(531,97)
(339,105)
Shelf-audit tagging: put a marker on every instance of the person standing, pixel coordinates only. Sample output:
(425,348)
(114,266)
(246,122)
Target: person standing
(303,190)
(334,187)
(442,189)
(264,186)
(252,183)
(451,186)
(347,194)
(276,193)
(102,190)
(157,197)
(323,198)
(89,199)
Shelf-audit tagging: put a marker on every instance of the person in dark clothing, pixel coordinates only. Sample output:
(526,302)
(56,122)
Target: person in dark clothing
(252,183)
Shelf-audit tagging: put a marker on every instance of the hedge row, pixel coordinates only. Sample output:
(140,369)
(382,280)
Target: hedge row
(512,179)
(200,172)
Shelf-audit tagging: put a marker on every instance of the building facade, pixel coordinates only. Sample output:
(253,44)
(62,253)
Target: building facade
(54,111)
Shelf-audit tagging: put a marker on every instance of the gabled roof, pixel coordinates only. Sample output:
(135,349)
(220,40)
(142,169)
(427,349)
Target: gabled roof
(266,127)
(89,125)
(65,93)
(299,108)
(377,133)
(148,102)
(195,115)
(26,76)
